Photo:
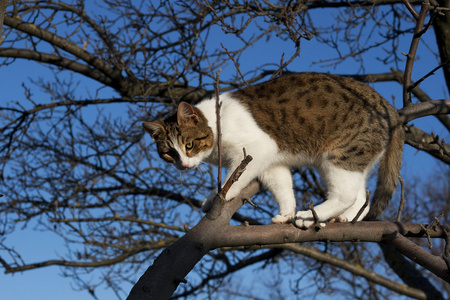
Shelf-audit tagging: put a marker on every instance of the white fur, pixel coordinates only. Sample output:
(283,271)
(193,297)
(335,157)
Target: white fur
(186,162)
(346,196)
(346,189)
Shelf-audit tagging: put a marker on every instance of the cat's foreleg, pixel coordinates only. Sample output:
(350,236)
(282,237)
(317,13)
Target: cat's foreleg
(344,188)
(278,180)
(251,172)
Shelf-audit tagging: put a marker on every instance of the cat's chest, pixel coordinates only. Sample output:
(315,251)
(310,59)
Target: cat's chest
(230,153)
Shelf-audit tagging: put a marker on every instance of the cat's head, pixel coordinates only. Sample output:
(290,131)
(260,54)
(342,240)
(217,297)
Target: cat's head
(185,140)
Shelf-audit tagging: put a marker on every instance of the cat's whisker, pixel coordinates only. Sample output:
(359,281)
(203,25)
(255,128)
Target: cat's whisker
(202,167)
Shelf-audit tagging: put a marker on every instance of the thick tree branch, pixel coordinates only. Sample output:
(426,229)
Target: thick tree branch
(89,264)
(423,141)
(419,110)
(272,253)
(206,234)
(335,232)
(406,270)
(435,264)
(63,44)
(57,61)
(175,262)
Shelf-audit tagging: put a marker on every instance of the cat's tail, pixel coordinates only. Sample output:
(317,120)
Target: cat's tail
(388,173)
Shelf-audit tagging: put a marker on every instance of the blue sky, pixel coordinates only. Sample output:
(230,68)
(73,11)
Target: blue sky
(47,283)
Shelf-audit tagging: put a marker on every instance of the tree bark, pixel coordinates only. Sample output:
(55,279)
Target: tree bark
(162,278)
(441,26)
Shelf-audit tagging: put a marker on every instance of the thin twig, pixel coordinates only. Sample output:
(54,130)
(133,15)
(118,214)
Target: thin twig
(236,174)
(249,201)
(427,232)
(411,9)
(402,200)
(235,63)
(432,72)
(355,219)
(315,216)
(446,251)
(441,144)
(219,133)
(430,227)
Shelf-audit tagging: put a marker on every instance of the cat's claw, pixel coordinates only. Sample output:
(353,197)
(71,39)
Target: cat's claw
(305,220)
(282,219)
(339,219)
(305,224)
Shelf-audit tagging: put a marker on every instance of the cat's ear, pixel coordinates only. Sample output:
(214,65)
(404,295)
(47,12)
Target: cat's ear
(186,115)
(154,128)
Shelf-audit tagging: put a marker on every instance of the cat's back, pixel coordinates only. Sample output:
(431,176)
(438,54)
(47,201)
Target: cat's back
(310,93)
(312,112)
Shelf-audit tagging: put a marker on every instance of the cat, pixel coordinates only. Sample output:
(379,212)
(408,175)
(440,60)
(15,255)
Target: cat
(340,126)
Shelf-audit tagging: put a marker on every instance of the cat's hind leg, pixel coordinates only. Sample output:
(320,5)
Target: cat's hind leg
(352,211)
(344,188)
(278,180)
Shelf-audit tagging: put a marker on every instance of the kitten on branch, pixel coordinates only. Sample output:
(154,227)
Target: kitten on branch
(340,126)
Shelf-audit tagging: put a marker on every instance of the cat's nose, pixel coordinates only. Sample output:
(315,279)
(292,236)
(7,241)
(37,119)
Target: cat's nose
(182,165)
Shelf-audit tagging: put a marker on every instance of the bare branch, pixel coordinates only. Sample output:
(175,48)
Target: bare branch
(420,256)
(219,132)
(3,5)
(418,110)
(423,141)
(78,264)
(57,60)
(64,44)
(432,72)
(316,224)
(355,269)
(410,57)
(235,64)
(236,174)
(411,9)
(366,203)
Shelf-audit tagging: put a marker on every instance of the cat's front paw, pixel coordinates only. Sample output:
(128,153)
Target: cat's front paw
(281,219)
(208,202)
(304,219)
(339,219)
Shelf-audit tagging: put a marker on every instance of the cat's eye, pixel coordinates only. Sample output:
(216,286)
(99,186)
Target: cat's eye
(189,145)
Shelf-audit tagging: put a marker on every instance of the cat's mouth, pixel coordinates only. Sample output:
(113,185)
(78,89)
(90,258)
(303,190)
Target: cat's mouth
(182,167)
